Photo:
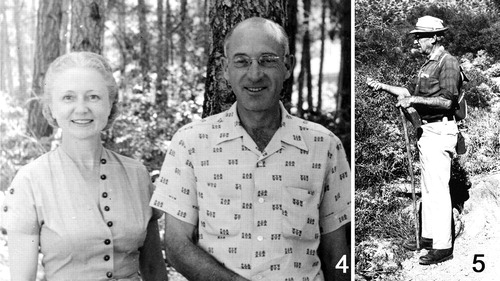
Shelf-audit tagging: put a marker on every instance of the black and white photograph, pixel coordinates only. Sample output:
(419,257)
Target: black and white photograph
(176,140)
(427,124)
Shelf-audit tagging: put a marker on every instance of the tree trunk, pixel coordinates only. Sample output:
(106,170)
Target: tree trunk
(46,50)
(306,55)
(291,30)
(6,59)
(224,14)
(87,25)
(321,57)
(168,34)
(65,27)
(144,34)
(20,49)
(343,112)
(159,55)
(183,34)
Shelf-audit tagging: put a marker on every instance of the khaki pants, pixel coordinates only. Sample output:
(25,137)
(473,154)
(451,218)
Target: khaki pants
(436,148)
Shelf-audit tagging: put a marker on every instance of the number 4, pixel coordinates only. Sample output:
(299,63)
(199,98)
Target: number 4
(476,260)
(342,264)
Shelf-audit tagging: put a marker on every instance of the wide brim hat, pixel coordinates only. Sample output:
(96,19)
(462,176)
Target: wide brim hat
(429,24)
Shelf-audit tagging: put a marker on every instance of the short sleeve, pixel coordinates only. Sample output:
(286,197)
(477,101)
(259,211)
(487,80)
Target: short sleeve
(449,78)
(19,213)
(335,208)
(175,191)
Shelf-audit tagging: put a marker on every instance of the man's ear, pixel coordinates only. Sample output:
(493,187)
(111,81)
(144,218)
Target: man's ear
(225,65)
(434,39)
(289,64)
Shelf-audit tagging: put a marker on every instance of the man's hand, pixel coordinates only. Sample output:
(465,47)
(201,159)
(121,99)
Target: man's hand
(405,102)
(393,90)
(374,84)
(189,259)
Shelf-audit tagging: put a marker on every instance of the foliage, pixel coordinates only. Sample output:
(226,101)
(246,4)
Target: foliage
(383,52)
(148,122)
(381,216)
(17,147)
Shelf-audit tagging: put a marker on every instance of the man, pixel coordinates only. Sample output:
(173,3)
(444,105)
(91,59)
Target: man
(267,193)
(435,99)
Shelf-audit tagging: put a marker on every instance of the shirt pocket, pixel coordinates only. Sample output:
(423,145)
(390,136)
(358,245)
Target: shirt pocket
(300,213)
(219,201)
(429,85)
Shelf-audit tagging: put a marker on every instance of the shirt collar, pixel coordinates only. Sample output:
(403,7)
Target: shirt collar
(436,53)
(289,132)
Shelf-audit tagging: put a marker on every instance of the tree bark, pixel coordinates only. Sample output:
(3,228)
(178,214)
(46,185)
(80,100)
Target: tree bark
(321,56)
(291,30)
(342,10)
(159,55)
(46,50)
(6,59)
(224,14)
(20,49)
(183,34)
(144,34)
(87,25)
(168,34)
(65,27)
(306,55)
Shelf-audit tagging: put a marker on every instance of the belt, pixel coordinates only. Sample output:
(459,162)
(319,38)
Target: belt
(442,119)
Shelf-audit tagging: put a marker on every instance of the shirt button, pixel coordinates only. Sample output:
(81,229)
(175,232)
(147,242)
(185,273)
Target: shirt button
(103,177)
(107,241)
(260,238)
(103,161)
(261,200)
(5,209)
(110,223)
(106,208)
(109,274)
(104,195)
(11,191)
(106,258)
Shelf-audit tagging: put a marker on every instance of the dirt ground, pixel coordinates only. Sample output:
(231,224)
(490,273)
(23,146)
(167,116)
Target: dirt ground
(481,236)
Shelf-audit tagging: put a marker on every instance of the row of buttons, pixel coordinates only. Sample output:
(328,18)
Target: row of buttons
(110,223)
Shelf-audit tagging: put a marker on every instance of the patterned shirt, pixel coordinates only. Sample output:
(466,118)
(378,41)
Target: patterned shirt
(438,77)
(86,232)
(261,214)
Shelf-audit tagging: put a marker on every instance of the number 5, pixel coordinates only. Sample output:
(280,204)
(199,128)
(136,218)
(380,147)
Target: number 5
(476,260)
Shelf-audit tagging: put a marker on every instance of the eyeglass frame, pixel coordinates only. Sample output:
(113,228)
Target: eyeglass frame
(251,59)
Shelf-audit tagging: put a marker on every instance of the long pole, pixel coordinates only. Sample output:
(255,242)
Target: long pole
(410,169)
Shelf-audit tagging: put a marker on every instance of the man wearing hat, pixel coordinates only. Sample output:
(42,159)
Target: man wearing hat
(434,96)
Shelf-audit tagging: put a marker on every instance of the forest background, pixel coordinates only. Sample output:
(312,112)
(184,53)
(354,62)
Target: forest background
(165,55)
(383,51)
(166,59)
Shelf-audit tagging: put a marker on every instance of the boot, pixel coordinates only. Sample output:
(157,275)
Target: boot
(436,256)
(411,245)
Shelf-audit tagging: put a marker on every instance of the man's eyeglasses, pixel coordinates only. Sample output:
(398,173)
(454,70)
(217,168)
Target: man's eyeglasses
(266,60)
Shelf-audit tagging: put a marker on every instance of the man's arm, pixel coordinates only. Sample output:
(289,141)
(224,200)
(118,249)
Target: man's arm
(151,263)
(332,248)
(393,90)
(189,259)
(430,102)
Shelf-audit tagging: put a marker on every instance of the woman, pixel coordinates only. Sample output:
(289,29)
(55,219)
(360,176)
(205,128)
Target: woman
(86,207)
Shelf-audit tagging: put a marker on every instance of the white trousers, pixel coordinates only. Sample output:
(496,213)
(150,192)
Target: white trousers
(436,148)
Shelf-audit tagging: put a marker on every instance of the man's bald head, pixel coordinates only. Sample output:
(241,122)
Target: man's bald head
(274,30)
